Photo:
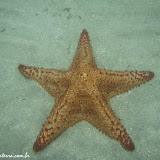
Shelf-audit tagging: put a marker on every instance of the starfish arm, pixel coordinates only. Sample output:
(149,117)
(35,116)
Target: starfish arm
(116,82)
(52,80)
(106,121)
(62,116)
(84,52)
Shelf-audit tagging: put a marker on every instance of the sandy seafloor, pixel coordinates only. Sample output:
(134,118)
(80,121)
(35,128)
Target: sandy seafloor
(125,35)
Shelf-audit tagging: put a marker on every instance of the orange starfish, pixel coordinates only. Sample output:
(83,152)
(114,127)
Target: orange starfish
(83,93)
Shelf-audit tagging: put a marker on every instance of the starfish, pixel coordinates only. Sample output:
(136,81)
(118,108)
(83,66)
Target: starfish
(83,93)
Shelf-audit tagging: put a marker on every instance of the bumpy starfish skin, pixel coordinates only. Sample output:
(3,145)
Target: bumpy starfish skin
(83,93)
